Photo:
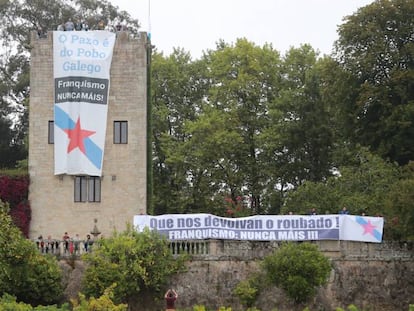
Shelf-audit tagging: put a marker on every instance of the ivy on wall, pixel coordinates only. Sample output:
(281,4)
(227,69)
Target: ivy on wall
(14,190)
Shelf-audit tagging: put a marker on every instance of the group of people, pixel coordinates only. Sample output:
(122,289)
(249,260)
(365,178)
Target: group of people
(71,26)
(82,25)
(70,245)
(343,211)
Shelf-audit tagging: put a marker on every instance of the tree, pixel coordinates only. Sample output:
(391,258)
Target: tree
(136,263)
(299,139)
(298,268)
(25,273)
(363,185)
(245,80)
(399,207)
(223,96)
(176,94)
(11,148)
(375,46)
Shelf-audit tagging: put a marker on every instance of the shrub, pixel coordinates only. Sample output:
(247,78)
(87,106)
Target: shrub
(25,273)
(247,291)
(103,303)
(137,262)
(297,268)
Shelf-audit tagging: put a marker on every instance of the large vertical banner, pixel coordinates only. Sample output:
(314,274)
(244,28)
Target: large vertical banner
(82,62)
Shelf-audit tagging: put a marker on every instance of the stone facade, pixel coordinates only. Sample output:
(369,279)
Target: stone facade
(124,182)
(374,277)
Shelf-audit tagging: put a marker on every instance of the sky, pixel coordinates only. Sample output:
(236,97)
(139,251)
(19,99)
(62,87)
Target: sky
(197,25)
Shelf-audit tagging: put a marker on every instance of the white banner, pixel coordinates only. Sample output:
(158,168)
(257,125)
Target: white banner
(82,62)
(361,228)
(264,227)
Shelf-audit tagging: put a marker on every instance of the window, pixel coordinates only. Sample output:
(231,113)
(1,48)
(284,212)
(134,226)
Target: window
(94,189)
(120,132)
(51,132)
(87,189)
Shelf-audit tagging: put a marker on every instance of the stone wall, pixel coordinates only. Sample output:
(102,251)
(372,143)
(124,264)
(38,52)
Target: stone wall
(375,277)
(372,276)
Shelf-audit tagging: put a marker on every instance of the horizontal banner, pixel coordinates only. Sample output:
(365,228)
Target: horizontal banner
(264,227)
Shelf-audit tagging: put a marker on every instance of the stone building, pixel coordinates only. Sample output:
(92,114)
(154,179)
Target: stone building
(75,204)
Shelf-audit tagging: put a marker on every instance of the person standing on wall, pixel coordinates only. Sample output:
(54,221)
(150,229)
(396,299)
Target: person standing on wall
(170,298)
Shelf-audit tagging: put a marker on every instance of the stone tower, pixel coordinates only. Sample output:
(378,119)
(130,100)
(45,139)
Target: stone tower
(75,204)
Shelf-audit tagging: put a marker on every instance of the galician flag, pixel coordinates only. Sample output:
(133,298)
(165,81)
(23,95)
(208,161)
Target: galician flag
(361,228)
(82,62)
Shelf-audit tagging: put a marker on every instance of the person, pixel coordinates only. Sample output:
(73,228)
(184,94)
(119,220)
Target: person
(49,244)
(69,25)
(313,211)
(66,239)
(101,25)
(344,211)
(76,243)
(85,26)
(78,25)
(41,34)
(170,298)
(88,243)
(118,27)
(61,27)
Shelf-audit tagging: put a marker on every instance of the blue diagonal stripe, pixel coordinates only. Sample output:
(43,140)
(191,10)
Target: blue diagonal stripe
(93,152)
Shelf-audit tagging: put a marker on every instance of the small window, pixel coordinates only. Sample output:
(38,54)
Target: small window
(94,189)
(120,132)
(51,132)
(80,188)
(87,189)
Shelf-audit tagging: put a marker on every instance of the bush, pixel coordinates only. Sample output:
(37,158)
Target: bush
(103,303)
(247,291)
(25,273)
(137,262)
(298,268)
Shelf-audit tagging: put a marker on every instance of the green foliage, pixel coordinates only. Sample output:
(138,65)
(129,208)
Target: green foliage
(199,308)
(298,268)
(399,211)
(9,303)
(26,274)
(247,291)
(10,151)
(134,262)
(363,185)
(299,126)
(349,308)
(103,303)
(375,47)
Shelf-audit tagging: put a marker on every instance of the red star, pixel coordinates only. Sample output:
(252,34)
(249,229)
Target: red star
(369,228)
(76,136)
